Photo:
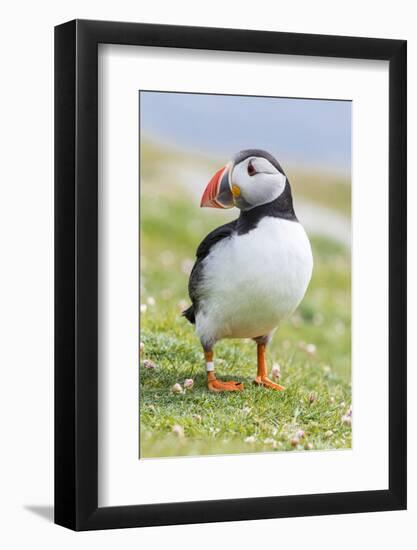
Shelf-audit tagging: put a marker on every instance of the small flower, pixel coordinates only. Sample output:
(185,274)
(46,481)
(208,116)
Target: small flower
(151,301)
(246,410)
(347,420)
(327,369)
(178,430)
(141,347)
(148,364)
(188,383)
(308,446)
(250,439)
(271,442)
(197,417)
(276,372)
(328,434)
(294,441)
(312,397)
(310,349)
(143,308)
(300,434)
(177,388)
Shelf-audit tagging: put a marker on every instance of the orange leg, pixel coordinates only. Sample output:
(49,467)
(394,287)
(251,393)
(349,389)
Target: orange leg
(218,385)
(262,375)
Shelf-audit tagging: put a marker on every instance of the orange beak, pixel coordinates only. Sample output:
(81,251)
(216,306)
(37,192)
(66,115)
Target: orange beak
(218,193)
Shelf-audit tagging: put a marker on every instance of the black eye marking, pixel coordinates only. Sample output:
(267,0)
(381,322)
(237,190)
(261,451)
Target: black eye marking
(251,169)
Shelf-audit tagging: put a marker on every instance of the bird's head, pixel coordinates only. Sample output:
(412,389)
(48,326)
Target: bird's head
(252,178)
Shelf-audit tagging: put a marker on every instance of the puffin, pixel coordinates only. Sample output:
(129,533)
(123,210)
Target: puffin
(250,274)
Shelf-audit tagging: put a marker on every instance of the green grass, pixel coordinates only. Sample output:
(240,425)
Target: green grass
(318,391)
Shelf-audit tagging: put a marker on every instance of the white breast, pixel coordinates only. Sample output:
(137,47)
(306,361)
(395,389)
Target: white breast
(252,282)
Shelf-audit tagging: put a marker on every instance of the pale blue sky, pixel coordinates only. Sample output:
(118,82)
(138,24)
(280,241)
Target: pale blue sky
(306,132)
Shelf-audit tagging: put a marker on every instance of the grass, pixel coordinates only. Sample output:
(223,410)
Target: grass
(317,381)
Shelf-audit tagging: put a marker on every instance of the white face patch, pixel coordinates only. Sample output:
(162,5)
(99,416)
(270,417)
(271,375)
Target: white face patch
(258,181)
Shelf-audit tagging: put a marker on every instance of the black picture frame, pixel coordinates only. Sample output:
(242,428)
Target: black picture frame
(76,272)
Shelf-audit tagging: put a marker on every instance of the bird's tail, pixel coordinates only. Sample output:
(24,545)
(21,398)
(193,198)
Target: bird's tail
(189,314)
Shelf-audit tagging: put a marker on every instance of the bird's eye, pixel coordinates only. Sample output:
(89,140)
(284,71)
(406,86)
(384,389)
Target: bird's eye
(251,169)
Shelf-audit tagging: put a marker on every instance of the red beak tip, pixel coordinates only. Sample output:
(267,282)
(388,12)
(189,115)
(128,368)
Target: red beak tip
(209,196)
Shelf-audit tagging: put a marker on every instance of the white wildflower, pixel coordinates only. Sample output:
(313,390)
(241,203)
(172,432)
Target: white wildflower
(347,420)
(276,372)
(148,364)
(310,349)
(178,430)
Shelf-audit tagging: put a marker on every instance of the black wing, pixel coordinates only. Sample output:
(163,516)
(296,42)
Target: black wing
(215,236)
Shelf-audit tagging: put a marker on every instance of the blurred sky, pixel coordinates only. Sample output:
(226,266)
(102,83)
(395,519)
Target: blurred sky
(302,132)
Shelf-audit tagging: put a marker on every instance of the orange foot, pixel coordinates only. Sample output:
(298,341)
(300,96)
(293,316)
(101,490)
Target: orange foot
(218,385)
(267,383)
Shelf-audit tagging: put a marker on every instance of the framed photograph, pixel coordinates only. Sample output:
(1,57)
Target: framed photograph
(230,253)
